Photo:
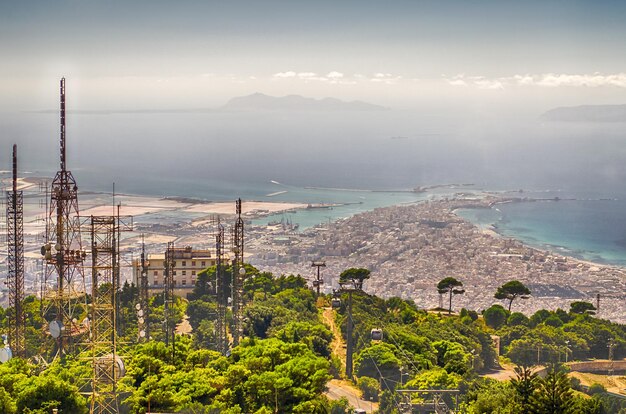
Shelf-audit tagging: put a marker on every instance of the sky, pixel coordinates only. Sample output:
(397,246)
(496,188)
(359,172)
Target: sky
(198,54)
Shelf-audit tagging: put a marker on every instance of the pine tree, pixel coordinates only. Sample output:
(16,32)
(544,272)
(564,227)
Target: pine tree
(553,394)
(525,385)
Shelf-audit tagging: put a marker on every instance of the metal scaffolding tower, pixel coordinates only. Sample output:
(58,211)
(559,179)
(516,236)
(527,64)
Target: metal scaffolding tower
(168,294)
(64,282)
(221,291)
(107,366)
(144,296)
(15,261)
(239,273)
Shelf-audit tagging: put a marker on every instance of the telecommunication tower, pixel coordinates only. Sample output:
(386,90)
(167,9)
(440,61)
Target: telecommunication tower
(64,281)
(144,295)
(168,293)
(221,291)
(239,273)
(107,366)
(15,261)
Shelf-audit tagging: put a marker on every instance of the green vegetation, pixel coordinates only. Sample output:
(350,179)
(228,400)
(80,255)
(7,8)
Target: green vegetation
(355,275)
(554,336)
(286,358)
(511,291)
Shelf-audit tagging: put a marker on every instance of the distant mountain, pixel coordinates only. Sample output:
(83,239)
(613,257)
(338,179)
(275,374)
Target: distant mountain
(587,113)
(261,101)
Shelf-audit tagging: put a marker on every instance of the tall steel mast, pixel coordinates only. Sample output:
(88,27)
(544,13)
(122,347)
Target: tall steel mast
(64,281)
(15,259)
(239,273)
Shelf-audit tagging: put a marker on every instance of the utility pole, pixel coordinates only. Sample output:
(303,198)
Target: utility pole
(611,369)
(15,261)
(318,281)
(349,287)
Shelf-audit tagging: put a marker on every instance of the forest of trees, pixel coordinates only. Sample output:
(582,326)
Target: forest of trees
(285,360)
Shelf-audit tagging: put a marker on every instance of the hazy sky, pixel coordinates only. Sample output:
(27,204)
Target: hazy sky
(190,54)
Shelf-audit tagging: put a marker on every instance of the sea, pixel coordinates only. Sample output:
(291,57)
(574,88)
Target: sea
(353,162)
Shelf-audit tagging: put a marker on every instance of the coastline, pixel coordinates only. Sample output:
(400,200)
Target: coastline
(492,231)
(599,255)
(411,248)
(189,221)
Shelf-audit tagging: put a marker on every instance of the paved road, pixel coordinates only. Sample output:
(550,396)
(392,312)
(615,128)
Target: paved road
(340,388)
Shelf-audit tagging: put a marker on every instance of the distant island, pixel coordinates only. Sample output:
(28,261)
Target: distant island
(586,113)
(259,101)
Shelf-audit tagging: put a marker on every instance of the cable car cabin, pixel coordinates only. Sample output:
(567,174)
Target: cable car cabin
(336,303)
(377,334)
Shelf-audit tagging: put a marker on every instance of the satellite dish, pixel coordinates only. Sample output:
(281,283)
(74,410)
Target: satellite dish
(107,364)
(57,247)
(140,312)
(55,328)
(5,355)
(138,306)
(140,320)
(242,271)
(142,334)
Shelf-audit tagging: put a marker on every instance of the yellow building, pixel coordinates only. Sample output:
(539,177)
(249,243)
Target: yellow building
(187,264)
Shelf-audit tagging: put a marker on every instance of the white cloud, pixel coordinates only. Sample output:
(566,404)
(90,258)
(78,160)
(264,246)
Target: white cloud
(488,84)
(333,77)
(386,78)
(594,80)
(549,80)
(289,74)
(456,82)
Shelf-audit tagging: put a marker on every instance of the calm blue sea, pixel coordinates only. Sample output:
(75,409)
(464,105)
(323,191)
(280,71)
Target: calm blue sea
(590,229)
(225,155)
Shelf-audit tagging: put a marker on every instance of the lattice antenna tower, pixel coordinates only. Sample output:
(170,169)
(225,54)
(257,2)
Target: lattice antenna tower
(144,295)
(239,274)
(64,281)
(107,366)
(15,261)
(221,290)
(168,293)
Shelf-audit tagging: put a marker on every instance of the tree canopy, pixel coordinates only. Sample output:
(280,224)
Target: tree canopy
(511,291)
(581,307)
(450,286)
(356,275)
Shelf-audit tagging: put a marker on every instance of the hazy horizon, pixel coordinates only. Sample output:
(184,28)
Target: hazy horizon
(466,85)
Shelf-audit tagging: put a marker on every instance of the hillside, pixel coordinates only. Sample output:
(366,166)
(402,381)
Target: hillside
(259,101)
(292,361)
(587,113)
